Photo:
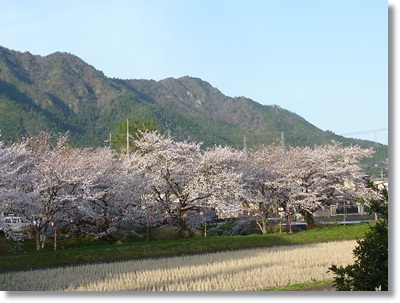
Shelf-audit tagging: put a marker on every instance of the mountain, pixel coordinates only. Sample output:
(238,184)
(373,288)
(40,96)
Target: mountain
(60,92)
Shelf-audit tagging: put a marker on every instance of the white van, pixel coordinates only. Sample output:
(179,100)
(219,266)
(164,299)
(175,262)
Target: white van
(13,225)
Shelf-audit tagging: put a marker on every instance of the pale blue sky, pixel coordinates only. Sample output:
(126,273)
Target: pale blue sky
(324,60)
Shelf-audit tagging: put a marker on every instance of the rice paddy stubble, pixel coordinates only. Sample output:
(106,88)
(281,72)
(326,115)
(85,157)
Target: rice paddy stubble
(242,270)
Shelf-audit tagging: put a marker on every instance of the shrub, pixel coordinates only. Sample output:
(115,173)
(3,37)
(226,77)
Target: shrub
(370,270)
(165,233)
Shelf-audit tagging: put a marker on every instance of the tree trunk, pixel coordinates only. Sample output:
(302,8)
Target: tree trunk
(310,223)
(263,225)
(184,229)
(44,238)
(37,239)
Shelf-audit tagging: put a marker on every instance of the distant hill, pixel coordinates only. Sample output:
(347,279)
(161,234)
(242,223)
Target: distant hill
(60,92)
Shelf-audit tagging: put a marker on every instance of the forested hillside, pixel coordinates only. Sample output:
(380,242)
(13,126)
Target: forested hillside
(60,93)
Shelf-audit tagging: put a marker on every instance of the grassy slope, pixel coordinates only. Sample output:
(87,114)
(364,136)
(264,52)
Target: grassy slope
(131,250)
(313,286)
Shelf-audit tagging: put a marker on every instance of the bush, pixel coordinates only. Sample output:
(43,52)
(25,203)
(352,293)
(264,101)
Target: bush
(370,270)
(245,227)
(165,233)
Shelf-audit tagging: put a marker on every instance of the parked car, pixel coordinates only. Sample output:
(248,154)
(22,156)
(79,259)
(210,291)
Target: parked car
(14,227)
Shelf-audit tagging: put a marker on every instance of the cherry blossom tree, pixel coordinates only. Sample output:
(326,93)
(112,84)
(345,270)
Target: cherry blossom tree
(302,179)
(183,178)
(104,194)
(344,174)
(26,186)
(262,175)
(59,179)
(307,181)
(221,174)
(168,166)
(59,183)
(14,165)
(325,172)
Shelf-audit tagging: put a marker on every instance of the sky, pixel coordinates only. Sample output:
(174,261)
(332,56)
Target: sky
(326,61)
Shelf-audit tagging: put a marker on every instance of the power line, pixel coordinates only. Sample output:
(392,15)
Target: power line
(366,131)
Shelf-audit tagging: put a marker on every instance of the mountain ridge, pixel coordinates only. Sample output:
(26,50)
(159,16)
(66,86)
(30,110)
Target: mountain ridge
(60,92)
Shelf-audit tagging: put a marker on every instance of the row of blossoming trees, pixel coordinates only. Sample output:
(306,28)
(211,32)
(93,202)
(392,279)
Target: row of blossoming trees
(164,182)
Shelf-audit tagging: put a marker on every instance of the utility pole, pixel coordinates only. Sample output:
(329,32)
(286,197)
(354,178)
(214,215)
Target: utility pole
(244,143)
(127,136)
(168,130)
(283,140)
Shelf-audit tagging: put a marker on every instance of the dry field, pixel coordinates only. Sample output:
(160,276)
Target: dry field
(243,270)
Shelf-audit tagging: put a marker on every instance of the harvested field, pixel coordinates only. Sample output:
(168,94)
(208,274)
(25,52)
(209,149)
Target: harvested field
(242,270)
